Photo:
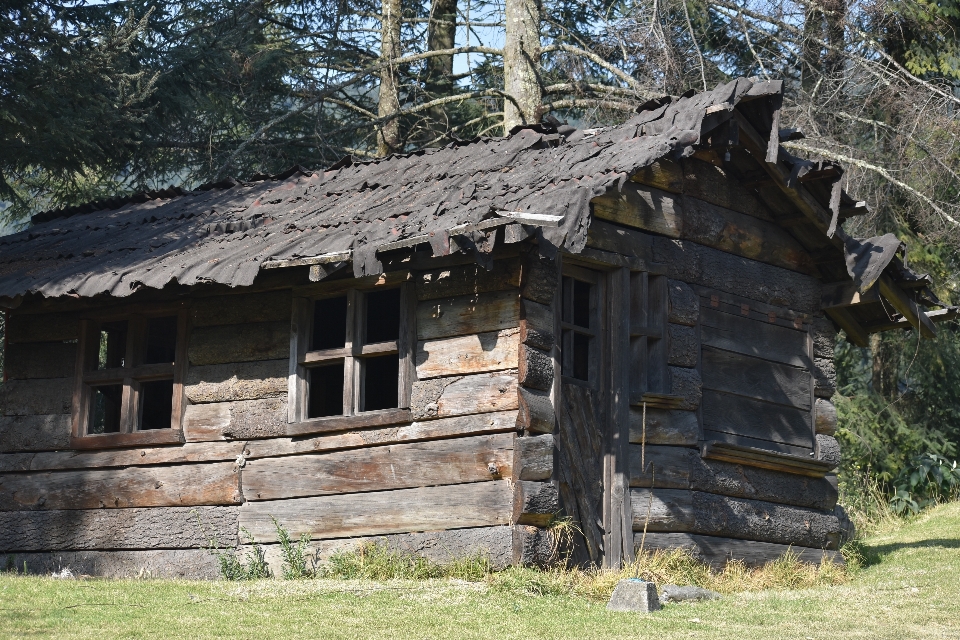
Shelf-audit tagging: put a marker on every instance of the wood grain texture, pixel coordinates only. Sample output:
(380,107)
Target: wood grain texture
(34,433)
(492,351)
(826,417)
(539,277)
(189,564)
(755,419)
(42,327)
(536,413)
(535,503)
(683,304)
(536,325)
(683,346)
(754,338)
(156,528)
(397,466)
(237,381)
(269,306)
(684,468)
(618,240)
(641,207)
(462,395)
(453,427)
(464,315)
(480,504)
(755,378)
(533,457)
(238,420)
(47,396)
(717,551)
(467,279)
(140,456)
(712,184)
(663,174)
(759,449)
(148,438)
(216,483)
(664,426)
(239,343)
(535,368)
(681,510)
(40,360)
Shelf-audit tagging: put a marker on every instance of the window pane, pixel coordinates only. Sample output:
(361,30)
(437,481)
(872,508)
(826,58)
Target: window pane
(581,303)
(105,409)
(156,404)
(161,340)
(380,381)
(326,391)
(330,323)
(113,345)
(383,316)
(581,356)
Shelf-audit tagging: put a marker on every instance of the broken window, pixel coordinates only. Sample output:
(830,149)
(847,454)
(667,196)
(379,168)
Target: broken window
(130,375)
(580,323)
(350,358)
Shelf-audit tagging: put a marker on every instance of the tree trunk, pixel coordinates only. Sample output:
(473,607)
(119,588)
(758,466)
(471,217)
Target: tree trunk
(835,16)
(389,103)
(810,51)
(521,64)
(440,35)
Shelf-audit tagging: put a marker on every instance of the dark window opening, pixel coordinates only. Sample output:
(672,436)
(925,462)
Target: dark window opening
(326,391)
(105,409)
(581,357)
(581,303)
(156,404)
(161,340)
(383,316)
(113,345)
(380,376)
(330,323)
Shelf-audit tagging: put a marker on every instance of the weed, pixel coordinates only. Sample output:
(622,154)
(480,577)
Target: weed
(294,555)
(253,564)
(375,561)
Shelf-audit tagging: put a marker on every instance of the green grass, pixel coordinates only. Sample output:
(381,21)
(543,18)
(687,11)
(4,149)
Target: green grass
(909,588)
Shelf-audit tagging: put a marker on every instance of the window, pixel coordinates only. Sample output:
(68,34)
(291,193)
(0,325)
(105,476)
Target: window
(648,344)
(580,324)
(129,380)
(352,354)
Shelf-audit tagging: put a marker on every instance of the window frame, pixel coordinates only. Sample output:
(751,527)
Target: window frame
(87,377)
(595,357)
(354,351)
(648,335)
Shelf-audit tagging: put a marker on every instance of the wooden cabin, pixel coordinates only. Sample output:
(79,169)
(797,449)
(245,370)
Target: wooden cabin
(449,351)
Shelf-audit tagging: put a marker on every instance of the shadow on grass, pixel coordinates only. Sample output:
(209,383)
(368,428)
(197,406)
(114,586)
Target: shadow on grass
(875,554)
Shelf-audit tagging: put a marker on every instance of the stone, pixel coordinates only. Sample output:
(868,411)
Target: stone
(689,593)
(634,594)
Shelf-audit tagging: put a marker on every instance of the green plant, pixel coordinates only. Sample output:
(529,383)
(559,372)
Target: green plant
(927,479)
(253,564)
(294,555)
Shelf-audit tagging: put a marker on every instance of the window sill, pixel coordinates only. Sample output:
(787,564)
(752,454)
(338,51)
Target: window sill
(752,457)
(116,440)
(344,423)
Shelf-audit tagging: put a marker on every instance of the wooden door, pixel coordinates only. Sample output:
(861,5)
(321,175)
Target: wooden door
(593,411)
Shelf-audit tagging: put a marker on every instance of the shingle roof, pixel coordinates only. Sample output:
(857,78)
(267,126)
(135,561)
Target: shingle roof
(224,234)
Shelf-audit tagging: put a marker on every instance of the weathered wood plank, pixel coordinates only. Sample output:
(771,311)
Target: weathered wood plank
(189,564)
(641,207)
(269,306)
(396,466)
(462,395)
(453,427)
(718,551)
(803,453)
(238,420)
(140,456)
(40,360)
(470,314)
(535,503)
(491,351)
(479,504)
(684,468)
(618,240)
(239,343)
(686,384)
(683,345)
(467,280)
(754,338)
(756,419)
(539,277)
(825,417)
(663,174)
(237,381)
(157,528)
(34,433)
(681,510)
(683,304)
(536,325)
(664,426)
(42,327)
(533,457)
(754,378)
(535,368)
(712,184)
(216,483)
(536,414)
(828,450)
(38,397)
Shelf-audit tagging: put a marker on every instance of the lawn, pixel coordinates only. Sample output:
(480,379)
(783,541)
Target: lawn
(910,588)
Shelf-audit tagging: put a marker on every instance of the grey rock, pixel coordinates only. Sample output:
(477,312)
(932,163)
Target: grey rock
(634,595)
(673,593)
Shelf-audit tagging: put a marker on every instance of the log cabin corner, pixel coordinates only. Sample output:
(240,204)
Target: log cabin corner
(632,327)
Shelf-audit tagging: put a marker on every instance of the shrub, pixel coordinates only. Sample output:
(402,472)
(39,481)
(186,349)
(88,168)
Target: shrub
(293,555)
(928,479)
